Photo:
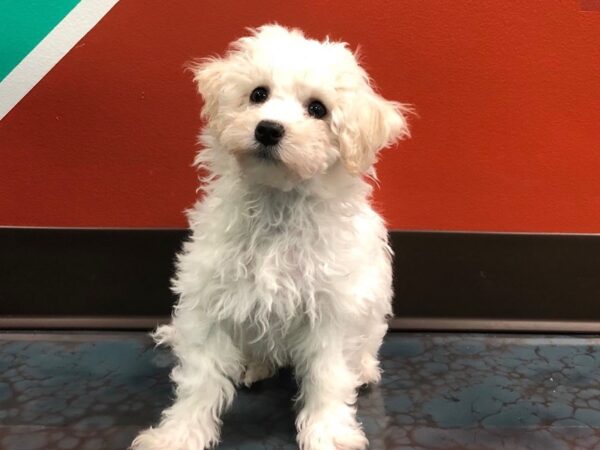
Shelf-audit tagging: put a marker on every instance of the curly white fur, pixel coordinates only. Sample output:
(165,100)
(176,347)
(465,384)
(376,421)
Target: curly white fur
(287,264)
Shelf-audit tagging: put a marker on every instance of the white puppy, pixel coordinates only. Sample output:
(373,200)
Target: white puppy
(288,264)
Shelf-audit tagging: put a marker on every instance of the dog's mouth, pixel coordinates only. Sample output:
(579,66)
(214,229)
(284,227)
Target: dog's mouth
(267,153)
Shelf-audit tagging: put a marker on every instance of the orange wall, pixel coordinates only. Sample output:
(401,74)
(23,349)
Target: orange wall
(507,93)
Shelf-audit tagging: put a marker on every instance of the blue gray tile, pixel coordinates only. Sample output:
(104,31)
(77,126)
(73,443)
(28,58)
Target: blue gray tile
(439,391)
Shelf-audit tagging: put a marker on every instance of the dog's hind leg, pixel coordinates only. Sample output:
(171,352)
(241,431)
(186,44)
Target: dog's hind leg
(368,361)
(208,364)
(257,371)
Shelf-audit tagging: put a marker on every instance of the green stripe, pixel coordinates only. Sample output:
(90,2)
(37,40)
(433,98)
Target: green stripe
(23,24)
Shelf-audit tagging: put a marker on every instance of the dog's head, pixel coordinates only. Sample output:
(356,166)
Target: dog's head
(288,108)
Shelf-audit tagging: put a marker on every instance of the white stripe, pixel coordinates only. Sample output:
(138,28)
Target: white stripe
(50,50)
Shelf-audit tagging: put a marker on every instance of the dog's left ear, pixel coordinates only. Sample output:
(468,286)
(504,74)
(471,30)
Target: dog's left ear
(365,124)
(208,75)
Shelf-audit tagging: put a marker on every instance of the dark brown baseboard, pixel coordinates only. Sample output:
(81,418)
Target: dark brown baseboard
(119,279)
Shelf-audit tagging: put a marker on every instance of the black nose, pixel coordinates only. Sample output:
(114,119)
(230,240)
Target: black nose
(268,132)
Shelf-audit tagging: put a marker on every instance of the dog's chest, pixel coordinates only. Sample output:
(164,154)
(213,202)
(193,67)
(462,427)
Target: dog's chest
(276,269)
(284,258)
(273,259)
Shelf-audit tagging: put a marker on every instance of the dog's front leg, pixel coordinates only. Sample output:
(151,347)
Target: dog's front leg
(204,388)
(328,389)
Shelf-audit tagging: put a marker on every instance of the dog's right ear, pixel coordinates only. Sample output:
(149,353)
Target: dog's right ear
(365,124)
(208,75)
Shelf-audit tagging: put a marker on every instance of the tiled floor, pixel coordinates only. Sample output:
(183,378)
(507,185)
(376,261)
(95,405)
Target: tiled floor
(94,391)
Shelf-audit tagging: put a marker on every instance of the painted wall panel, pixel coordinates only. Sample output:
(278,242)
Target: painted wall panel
(23,23)
(507,135)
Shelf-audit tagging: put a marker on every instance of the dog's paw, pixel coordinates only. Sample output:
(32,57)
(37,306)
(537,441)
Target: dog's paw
(370,373)
(332,435)
(172,437)
(256,372)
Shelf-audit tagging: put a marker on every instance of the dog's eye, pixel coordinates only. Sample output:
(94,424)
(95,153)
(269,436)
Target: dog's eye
(317,109)
(259,95)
